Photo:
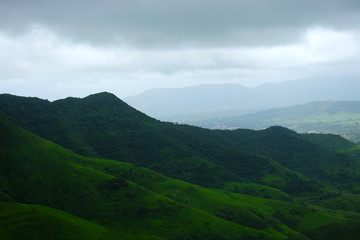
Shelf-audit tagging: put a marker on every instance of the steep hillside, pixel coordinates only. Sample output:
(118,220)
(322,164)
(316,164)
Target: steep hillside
(135,203)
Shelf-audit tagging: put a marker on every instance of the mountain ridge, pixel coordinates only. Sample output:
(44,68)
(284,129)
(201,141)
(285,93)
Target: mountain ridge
(221,100)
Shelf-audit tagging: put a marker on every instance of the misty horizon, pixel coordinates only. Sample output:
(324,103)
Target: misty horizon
(66,48)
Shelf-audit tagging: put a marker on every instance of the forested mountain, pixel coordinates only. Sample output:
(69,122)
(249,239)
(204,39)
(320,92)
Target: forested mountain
(337,117)
(48,192)
(209,101)
(101,125)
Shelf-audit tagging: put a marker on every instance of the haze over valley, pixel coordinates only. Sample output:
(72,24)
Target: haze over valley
(204,101)
(322,105)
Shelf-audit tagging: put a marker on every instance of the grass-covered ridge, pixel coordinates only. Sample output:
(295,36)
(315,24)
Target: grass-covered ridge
(120,199)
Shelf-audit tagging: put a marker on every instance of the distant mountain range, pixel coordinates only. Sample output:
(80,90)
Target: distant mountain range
(208,101)
(209,184)
(341,117)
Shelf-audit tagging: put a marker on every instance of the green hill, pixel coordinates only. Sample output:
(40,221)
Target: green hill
(300,153)
(120,200)
(101,125)
(34,170)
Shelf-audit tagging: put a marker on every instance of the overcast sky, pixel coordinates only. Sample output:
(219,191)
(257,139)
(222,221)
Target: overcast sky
(55,49)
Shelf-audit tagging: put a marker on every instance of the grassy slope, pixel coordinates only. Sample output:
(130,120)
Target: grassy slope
(141,201)
(101,125)
(259,213)
(28,221)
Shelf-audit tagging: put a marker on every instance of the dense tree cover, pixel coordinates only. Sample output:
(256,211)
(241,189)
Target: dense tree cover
(302,153)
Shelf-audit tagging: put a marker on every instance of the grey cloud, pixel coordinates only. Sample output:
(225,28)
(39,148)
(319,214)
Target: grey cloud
(170,23)
(54,49)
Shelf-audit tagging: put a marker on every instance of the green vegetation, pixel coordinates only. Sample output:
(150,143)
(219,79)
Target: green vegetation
(329,141)
(299,154)
(103,126)
(28,221)
(271,184)
(37,171)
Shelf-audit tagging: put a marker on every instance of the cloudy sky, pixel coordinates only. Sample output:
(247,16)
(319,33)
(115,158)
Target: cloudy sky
(55,49)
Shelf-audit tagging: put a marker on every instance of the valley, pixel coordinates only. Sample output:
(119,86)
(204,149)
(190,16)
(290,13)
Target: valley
(340,117)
